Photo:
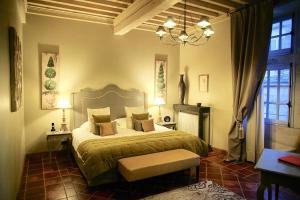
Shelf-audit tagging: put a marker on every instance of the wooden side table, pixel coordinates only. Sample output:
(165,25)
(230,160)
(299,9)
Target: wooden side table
(276,172)
(170,125)
(57,140)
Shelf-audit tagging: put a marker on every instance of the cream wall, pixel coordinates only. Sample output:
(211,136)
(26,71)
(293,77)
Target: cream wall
(12,142)
(91,56)
(213,58)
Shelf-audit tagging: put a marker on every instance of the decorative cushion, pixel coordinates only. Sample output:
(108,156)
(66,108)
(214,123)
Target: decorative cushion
(99,111)
(100,119)
(129,111)
(137,125)
(108,128)
(136,120)
(141,116)
(148,125)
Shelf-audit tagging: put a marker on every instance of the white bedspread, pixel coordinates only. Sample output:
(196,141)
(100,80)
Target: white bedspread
(82,134)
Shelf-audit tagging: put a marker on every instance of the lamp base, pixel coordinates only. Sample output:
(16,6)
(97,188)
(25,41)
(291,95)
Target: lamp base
(64,127)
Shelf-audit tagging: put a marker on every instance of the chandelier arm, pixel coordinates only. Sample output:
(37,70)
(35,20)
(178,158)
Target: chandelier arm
(173,37)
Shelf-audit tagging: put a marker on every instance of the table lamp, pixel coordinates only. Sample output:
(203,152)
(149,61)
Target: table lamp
(159,101)
(63,104)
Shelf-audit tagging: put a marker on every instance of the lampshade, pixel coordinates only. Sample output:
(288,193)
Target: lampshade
(203,23)
(170,23)
(160,31)
(159,101)
(208,32)
(63,104)
(183,36)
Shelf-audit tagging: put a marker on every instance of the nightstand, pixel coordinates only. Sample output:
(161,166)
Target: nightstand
(58,140)
(170,125)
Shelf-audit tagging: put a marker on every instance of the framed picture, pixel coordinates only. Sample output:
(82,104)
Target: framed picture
(203,82)
(49,80)
(160,88)
(15,59)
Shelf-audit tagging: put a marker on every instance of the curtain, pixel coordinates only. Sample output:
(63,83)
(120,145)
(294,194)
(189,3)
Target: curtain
(250,37)
(255,130)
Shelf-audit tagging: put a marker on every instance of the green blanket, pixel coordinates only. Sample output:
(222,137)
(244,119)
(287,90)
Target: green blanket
(100,156)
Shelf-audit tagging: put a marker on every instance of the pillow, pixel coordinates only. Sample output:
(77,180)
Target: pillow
(148,125)
(121,122)
(100,119)
(99,111)
(85,125)
(142,116)
(136,110)
(138,117)
(108,128)
(137,125)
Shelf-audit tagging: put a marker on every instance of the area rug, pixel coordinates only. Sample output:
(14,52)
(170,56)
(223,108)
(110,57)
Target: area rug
(204,190)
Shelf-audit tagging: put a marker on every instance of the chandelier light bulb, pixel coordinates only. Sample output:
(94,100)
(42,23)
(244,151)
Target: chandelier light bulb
(183,36)
(203,23)
(170,23)
(208,32)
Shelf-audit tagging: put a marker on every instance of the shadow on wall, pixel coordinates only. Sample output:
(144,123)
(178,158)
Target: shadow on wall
(187,84)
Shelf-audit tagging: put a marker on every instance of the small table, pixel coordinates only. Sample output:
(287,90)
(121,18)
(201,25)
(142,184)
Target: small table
(55,140)
(170,125)
(276,172)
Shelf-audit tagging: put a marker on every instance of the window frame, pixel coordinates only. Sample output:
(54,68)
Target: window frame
(289,104)
(287,50)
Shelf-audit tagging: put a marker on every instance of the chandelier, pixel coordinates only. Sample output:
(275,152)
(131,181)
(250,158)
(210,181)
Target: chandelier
(199,35)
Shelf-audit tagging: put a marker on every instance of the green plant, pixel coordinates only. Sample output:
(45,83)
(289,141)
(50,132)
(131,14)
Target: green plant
(50,72)
(161,78)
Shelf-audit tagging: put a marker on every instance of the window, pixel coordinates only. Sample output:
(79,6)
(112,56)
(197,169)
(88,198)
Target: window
(276,91)
(281,37)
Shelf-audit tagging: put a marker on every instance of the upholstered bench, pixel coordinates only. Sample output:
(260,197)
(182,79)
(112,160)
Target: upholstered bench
(155,164)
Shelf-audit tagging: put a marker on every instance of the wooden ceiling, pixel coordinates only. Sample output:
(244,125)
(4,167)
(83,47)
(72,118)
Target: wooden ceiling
(126,15)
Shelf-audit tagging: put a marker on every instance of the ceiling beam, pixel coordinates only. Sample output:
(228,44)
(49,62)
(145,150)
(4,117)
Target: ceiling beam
(195,10)
(208,6)
(139,12)
(225,3)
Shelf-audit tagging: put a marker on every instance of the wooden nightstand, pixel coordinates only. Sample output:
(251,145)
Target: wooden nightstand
(170,125)
(58,140)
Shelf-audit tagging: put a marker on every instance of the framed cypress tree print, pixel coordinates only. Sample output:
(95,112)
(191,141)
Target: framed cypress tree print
(50,80)
(160,86)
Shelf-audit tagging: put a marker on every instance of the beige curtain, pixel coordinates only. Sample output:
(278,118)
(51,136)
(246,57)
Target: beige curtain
(250,37)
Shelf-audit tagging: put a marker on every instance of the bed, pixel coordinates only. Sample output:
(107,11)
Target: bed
(97,156)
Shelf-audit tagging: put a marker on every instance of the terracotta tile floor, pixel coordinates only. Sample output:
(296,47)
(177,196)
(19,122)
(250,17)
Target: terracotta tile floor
(61,179)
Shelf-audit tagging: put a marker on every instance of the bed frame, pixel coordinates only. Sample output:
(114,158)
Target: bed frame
(110,96)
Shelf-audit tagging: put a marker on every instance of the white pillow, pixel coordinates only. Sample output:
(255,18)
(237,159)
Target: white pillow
(121,122)
(135,110)
(85,125)
(98,111)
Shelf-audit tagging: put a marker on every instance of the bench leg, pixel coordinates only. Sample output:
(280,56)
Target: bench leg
(197,173)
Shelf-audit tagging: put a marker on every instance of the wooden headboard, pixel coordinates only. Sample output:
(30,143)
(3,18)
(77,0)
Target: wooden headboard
(110,96)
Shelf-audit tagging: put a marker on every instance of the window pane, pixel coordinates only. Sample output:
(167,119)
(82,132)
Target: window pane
(286,41)
(265,82)
(272,111)
(265,110)
(283,112)
(273,77)
(275,29)
(265,93)
(286,26)
(273,94)
(274,45)
(284,77)
(284,94)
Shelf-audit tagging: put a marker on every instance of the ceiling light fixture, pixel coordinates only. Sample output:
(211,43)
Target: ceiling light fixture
(197,37)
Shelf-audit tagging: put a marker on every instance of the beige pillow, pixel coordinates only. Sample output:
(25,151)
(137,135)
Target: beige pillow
(108,128)
(148,125)
(99,111)
(129,111)
(100,119)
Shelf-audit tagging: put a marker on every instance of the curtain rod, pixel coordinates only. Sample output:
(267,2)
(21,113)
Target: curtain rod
(248,5)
